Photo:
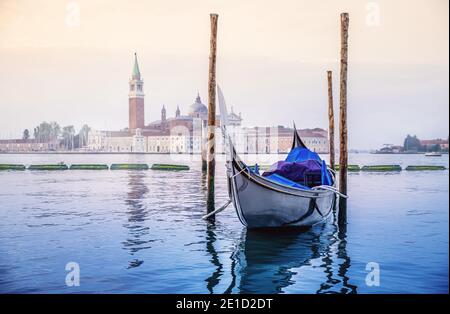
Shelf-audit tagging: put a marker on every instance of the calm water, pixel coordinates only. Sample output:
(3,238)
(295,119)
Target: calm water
(142,232)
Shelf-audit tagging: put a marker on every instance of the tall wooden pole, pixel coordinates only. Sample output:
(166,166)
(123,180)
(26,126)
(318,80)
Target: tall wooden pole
(343,160)
(331,117)
(211,167)
(203,152)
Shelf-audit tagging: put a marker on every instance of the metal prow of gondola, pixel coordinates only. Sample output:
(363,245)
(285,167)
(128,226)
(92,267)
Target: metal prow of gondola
(297,140)
(299,143)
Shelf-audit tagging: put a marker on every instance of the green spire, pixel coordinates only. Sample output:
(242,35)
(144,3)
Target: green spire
(136,73)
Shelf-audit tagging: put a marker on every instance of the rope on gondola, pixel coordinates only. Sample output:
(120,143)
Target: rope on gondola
(218,210)
(233,176)
(330,188)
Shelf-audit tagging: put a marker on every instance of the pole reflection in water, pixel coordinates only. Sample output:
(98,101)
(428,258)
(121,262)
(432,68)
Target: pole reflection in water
(336,254)
(213,280)
(269,261)
(137,213)
(220,270)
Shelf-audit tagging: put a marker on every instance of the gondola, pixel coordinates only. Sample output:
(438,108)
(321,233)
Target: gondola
(267,201)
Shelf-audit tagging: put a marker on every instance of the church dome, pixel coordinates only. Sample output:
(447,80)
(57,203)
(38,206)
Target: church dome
(197,108)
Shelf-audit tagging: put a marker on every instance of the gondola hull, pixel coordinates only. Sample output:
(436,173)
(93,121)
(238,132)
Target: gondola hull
(261,203)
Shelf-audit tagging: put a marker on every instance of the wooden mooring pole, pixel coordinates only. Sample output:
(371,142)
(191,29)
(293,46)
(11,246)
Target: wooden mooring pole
(331,117)
(211,166)
(203,152)
(343,158)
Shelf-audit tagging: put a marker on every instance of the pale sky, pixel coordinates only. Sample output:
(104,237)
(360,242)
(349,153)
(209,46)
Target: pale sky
(58,65)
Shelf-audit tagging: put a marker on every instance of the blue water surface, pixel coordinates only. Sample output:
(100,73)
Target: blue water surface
(142,232)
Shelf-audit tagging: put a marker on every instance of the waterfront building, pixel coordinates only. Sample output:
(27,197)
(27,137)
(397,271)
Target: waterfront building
(390,149)
(431,144)
(184,133)
(274,140)
(181,133)
(177,134)
(28,145)
(315,139)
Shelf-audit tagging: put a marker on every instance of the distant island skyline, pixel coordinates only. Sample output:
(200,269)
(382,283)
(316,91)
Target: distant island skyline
(76,73)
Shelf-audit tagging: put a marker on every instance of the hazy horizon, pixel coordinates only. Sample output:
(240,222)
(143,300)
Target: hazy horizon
(272,63)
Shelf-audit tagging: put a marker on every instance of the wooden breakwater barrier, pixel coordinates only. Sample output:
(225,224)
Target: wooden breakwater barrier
(425,168)
(122,166)
(129,167)
(350,168)
(172,167)
(373,168)
(382,168)
(48,167)
(88,167)
(12,167)
(169,167)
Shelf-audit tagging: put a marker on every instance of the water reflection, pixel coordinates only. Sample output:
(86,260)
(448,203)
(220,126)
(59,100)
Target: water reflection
(268,258)
(336,254)
(213,280)
(219,270)
(270,261)
(136,214)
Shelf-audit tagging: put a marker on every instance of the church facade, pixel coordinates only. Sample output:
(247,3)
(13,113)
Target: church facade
(185,133)
(181,133)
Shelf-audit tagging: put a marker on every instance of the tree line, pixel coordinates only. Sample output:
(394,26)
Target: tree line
(66,136)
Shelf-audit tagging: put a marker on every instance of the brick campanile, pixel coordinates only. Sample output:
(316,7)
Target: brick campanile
(136,99)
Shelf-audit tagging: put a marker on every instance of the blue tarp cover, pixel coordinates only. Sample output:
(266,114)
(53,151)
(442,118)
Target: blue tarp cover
(299,172)
(326,179)
(300,167)
(256,169)
(299,154)
(282,180)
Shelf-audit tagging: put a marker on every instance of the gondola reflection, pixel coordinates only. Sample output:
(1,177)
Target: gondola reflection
(137,213)
(270,261)
(269,257)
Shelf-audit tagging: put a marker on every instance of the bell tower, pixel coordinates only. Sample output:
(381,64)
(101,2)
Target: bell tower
(163,114)
(136,99)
